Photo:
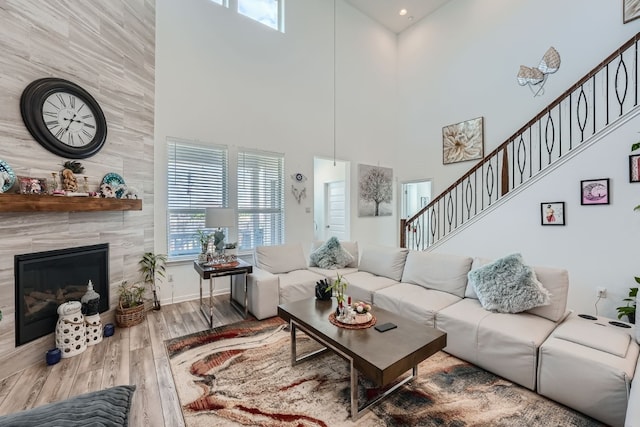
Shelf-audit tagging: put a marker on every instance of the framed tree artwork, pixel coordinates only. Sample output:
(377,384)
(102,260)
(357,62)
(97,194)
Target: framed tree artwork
(375,190)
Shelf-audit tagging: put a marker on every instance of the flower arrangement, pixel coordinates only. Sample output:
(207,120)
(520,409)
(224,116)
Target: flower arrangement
(361,307)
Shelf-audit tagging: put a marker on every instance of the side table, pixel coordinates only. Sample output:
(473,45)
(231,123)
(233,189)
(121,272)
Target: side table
(210,272)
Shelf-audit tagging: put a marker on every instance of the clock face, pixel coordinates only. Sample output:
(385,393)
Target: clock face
(69,119)
(63,117)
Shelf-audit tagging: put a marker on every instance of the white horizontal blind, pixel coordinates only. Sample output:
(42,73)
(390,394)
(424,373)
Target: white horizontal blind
(197,179)
(260,199)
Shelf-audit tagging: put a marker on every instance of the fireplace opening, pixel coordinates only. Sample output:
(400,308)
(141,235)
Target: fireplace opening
(44,280)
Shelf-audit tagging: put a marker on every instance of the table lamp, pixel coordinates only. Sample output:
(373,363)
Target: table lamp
(220,218)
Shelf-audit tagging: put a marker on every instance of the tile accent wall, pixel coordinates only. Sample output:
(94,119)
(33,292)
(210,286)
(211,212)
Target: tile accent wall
(108,48)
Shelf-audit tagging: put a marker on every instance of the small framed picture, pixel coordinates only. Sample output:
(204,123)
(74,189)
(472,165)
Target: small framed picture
(29,185)
(594,192)
(552,213)
(634,168)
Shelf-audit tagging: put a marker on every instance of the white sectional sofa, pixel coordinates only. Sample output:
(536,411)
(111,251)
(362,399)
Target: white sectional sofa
(433,289)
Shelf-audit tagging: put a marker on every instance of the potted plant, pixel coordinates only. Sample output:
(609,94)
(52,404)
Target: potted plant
(231,248)
(152,267)
(629,310)
(339,286)
(130,310)
(204,238)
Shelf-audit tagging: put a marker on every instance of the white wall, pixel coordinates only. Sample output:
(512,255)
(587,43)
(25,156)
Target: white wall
(461,63)
(223,78)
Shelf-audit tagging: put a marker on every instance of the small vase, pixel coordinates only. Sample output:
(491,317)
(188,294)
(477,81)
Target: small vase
(109,329)
(53,356)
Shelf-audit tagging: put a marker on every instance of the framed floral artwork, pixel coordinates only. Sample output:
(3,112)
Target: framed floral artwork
(463,141)
(630,10)
(634,168)
(552,213)
(594,192)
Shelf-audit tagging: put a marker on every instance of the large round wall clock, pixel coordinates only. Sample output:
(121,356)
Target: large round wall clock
(63,117)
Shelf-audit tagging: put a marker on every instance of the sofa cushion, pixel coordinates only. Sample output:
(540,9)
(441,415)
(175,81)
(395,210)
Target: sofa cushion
(280,258)
(351,247)
(413,301)
(555,280)
(384,261)
(587,334)
(297,285)
(447,273)
(508,286)
(508,345)
(330,255)
(362,285)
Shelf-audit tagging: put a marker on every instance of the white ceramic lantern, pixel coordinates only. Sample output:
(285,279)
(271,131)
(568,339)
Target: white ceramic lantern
(71,336)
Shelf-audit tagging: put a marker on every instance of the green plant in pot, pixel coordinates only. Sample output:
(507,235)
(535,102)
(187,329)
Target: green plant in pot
(153,268)
(130,294)
(629,310)
(339,286)
(204,237)
(130,310)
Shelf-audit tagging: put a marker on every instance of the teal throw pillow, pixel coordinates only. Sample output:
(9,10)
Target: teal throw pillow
(331,255)
(507,285)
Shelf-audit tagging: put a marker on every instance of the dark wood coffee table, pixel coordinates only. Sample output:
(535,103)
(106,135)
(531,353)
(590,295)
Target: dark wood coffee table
(382,357)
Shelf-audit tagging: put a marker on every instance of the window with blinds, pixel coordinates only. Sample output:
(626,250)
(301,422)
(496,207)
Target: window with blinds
(197,179)
(260,199)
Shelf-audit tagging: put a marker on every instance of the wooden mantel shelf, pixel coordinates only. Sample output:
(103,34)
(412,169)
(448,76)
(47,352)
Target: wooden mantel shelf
(43,203)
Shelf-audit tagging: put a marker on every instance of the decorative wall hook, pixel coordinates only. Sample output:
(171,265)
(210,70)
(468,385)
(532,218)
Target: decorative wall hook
(537,76)
(298,193)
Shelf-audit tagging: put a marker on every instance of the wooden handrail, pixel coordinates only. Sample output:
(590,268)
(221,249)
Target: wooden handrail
(405,223)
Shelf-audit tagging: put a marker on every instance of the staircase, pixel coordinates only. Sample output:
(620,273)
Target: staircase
(596,103)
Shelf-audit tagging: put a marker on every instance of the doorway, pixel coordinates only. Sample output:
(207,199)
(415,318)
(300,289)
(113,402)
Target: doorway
(414,196)
(331,213)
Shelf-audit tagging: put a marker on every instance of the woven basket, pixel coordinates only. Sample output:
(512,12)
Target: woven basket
(126,317)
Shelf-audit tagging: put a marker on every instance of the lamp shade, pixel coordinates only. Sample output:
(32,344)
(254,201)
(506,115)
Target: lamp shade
(220,218)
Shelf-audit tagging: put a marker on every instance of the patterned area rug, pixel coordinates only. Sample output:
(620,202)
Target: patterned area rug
(241,375)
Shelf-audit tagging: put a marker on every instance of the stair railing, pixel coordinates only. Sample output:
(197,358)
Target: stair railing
(597,100)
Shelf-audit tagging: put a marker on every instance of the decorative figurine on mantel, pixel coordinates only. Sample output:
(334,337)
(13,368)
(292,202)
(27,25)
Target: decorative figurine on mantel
(69,181)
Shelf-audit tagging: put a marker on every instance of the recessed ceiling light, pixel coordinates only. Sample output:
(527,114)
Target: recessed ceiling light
(403,12)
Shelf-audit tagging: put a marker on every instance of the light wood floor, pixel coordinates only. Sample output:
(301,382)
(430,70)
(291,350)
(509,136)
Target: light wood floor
(133,355)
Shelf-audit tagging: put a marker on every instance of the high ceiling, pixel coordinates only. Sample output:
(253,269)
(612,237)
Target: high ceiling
(386,12)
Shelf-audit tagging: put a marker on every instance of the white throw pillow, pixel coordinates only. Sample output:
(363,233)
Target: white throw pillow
(507,285)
